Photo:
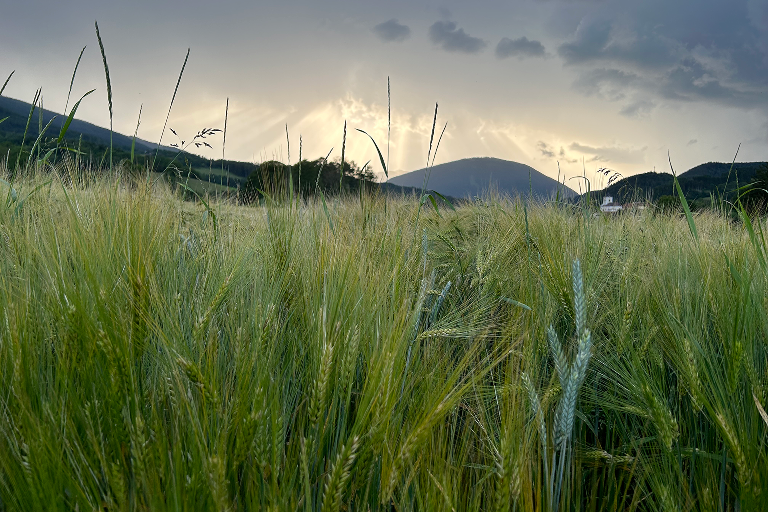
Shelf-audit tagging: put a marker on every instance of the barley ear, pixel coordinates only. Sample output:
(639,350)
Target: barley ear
(561,365)
(340,472)
(579,301)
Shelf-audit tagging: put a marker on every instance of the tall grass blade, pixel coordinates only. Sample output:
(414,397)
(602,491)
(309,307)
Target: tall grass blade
(39,139)
(72,81)
(343,147)
(686,208)
(290,170)
(109,90)
(26,128)
(389,120)
(135,133)
(429,152)
(65,126)
(381,157)
(224,140)
(6,82)
(437,147)
(173,98)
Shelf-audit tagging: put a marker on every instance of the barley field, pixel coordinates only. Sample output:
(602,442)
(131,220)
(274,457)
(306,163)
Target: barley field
(162,354)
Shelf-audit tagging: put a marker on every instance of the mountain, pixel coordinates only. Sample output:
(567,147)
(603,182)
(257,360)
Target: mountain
(93,140)
(698,183)
(745,170)
(474,176)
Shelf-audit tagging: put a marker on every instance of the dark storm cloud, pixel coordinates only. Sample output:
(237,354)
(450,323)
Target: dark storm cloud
(593,43)
(698,52)
(689,51)
(591,39)
(392,30)
(522,47)
(692,81)
(453,39)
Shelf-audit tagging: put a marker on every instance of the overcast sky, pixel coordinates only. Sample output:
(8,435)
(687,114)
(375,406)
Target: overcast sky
(588,83)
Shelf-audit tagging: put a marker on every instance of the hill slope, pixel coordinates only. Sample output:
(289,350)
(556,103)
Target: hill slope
(94,142)
(697,183)
(17,112)
(471,177)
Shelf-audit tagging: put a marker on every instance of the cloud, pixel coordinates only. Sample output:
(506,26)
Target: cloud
(611,153)
(591,39)
(453,39)
(699,51)
(690,80)
(522,47)
(391,30)
(545,149)
(637,108)
(594,43)
(610,84)
(692,142)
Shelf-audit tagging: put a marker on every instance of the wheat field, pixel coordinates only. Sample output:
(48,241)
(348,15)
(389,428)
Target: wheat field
(370,355)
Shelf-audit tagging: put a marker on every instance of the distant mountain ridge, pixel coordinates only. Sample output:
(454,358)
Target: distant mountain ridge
(474,176)
(697,183)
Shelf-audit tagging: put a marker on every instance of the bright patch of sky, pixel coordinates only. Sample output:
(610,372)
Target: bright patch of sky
(587,84)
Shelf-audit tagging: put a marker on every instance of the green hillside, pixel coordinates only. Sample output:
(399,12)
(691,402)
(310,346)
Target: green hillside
(92,142)
(699,183)
(23,125)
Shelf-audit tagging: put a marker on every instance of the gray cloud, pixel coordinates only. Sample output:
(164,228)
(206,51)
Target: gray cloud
(699,51)
(593,43)
(453,39)
(522,47)
(637,108)
(591,39)
(692,142)
(611,153)
(392,30)
(545,149)
(610,84)
(690,80)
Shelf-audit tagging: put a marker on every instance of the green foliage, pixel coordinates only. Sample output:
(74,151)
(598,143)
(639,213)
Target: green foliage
(308,176)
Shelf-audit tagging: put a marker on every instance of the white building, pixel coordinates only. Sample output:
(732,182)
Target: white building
(609,206)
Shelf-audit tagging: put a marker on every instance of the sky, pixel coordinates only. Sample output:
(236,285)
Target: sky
(579,84)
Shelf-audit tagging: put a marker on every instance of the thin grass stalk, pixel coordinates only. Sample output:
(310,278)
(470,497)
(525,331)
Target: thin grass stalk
(343,147)
(224,140)
(26,128)
(6,82)
(173,98)
(72,81)
(135,133)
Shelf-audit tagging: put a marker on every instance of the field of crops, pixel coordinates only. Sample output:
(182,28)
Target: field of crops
(161,354)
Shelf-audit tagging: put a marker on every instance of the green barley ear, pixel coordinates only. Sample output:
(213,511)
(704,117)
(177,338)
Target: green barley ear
(579,302)
(317,402)
(561,364)
(340,473)
(537,411)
